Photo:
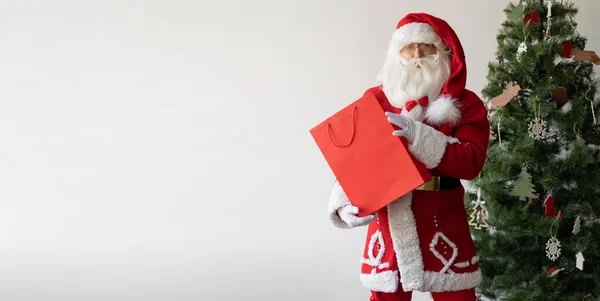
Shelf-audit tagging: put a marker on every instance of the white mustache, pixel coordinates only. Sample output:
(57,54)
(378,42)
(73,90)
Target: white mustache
(428,62)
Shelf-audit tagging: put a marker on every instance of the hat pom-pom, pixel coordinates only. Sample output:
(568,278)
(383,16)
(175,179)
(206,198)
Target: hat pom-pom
(443,110)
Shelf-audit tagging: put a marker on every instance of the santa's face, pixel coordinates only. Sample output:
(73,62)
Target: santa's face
(415,71)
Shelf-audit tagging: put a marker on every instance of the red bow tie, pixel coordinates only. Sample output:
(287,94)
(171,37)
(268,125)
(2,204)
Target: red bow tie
(424,101)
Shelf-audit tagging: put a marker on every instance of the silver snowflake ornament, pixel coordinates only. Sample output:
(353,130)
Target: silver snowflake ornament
(553,249)
(537,129)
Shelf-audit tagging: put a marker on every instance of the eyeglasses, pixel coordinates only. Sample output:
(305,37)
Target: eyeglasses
(411,48)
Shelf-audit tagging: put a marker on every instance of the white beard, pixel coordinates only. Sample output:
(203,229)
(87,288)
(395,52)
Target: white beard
(402,80)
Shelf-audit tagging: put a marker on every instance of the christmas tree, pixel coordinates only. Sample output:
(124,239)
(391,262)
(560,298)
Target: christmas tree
(542,108)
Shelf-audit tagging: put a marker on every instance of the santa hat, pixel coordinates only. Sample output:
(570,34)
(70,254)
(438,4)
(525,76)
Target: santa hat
(425,28)
(415,32)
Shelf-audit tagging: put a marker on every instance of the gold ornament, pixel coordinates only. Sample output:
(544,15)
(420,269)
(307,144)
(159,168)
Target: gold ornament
(479,214)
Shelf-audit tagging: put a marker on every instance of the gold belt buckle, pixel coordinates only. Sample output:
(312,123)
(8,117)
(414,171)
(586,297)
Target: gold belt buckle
(431,185)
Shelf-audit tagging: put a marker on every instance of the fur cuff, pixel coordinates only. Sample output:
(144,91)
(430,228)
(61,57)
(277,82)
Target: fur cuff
(429,145)
(337,200)
(386,282)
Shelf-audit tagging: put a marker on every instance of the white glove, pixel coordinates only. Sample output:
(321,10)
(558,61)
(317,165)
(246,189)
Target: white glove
(426,143)
(342,213)
(349,215)
(406,124)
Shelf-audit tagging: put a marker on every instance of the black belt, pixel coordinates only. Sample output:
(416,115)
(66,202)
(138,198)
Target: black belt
(440,183)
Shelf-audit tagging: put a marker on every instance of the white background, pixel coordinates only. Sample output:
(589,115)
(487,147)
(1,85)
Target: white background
(160,150)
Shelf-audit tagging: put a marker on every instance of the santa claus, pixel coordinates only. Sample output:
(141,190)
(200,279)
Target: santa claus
(421,241)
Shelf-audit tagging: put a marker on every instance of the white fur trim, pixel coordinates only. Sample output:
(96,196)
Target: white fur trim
(337,200)
(444,109)
(429,145)
(386,282)
(447,263)
(463,264)
(403,230)
(437,282)
(375,261)
(415,33)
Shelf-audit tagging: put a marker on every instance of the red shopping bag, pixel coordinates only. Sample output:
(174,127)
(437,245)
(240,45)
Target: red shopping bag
(373,166)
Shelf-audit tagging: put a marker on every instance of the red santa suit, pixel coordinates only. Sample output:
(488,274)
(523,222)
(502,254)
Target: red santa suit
(422,240)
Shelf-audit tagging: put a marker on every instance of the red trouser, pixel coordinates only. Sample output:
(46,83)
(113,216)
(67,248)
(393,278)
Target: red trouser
(400,295)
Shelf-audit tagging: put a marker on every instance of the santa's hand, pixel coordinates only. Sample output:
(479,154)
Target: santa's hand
(349,215)
(405,123)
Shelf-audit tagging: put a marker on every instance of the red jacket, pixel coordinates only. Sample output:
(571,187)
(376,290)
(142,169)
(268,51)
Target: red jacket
(423,238)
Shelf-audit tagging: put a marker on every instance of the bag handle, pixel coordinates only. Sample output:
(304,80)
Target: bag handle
(353,129)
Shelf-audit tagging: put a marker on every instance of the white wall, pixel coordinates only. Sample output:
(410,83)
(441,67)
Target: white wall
(159,150)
